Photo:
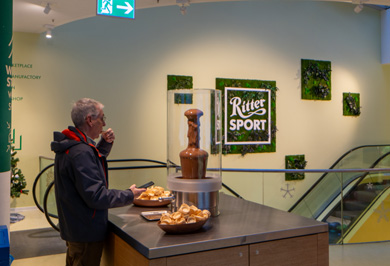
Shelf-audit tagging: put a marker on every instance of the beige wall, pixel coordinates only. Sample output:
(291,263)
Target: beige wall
(125,63)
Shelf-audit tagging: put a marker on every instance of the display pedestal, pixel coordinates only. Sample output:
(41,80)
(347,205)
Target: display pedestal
(300,251)
(245,233)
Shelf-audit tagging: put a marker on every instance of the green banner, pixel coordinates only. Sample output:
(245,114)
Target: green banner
(5,84)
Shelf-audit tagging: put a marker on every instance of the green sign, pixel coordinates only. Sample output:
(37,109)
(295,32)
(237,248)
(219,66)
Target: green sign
(248,115)
(5,84)
(116,8)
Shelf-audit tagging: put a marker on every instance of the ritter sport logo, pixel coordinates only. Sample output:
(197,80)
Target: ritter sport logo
(247,110)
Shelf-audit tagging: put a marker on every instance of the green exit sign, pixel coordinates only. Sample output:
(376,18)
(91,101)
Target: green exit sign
(116,8)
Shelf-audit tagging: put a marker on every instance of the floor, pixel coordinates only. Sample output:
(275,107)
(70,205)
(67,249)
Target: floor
(35,219)
(345,255)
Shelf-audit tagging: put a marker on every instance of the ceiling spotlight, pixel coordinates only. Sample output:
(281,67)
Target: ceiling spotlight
(47,9)
(358,8)
(48,34)
(49,28)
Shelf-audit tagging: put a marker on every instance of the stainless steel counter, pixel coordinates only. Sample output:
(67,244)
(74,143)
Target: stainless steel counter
(240,223)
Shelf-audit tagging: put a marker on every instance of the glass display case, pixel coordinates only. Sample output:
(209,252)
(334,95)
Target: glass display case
(194,148)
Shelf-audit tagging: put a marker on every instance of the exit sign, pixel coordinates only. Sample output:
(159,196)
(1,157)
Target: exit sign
(116,8)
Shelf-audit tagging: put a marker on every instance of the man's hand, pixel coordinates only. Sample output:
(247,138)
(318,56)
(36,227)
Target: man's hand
(108,135)
(137,191)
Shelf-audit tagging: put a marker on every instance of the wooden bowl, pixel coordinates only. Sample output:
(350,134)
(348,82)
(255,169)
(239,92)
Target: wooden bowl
(151,203)
(181,228)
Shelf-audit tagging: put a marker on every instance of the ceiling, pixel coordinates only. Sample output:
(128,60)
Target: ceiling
(28,15)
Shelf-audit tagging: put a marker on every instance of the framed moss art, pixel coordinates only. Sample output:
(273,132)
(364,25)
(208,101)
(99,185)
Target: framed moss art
(316,80)
(248,115)
(351,104)
(181,82)
(295,162)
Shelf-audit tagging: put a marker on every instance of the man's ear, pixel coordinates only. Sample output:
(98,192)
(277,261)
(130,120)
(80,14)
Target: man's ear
(88,120)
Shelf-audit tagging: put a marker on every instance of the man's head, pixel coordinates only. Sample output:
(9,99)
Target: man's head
(87,115)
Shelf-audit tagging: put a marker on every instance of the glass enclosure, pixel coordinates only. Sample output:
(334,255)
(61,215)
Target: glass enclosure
(207,101)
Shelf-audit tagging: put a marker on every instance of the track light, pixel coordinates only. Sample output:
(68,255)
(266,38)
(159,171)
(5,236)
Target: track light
(183,5)
(49,28)
(47,9)
(183,10)
(358,8)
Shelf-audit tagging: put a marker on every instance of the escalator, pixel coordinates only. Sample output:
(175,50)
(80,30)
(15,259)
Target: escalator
(350,201)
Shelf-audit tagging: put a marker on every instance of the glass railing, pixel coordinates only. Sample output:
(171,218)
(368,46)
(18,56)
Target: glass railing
(352,196)
(327,188)
(363,208)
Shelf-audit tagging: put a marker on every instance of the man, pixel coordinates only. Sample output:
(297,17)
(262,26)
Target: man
(81,183)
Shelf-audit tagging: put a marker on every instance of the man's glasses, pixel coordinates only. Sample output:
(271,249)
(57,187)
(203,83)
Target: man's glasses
(103,118)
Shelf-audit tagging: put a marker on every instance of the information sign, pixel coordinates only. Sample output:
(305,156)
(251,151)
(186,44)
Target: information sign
(116,8)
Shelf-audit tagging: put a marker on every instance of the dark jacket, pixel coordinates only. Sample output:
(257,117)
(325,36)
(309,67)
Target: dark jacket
(81,187)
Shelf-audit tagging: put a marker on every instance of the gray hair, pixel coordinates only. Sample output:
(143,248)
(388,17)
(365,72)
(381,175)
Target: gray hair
(84,107)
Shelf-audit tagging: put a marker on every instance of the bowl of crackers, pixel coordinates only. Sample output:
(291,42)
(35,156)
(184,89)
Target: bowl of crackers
(153,197)
(186,219)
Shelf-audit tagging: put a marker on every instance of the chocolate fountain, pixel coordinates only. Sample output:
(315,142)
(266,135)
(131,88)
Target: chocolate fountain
(193,160)
(194,148)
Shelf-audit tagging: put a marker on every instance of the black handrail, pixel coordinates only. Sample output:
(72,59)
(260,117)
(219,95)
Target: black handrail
(46,212)
(162,164)
(35,185)
(49,215)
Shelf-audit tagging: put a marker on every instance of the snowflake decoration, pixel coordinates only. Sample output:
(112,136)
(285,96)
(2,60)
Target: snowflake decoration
(370,186)
(287,191)
(381,210)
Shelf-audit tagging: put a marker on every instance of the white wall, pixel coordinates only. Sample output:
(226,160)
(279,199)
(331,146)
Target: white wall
(125,63)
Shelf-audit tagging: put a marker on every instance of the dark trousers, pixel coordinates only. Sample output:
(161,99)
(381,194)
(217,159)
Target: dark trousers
(84,253)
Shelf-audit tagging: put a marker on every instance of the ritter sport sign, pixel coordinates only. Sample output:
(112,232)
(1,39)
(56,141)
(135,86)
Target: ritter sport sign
(116,8)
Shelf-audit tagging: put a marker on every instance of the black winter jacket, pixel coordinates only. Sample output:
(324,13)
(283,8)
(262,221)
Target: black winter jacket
(81,187)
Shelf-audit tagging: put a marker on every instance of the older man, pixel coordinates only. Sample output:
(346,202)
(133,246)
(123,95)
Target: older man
(81,183)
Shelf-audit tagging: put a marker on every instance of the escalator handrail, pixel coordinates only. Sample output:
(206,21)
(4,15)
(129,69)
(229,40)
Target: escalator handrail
(136,160)
(332,167)
(34,187)
(49,215)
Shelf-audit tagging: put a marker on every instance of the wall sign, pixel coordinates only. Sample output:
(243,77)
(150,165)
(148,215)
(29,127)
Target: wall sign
(249,115)
(245,114)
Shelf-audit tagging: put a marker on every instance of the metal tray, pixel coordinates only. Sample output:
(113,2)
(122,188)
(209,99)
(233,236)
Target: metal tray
(152,215)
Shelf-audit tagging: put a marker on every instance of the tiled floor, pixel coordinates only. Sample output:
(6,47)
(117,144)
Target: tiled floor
(346,255)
